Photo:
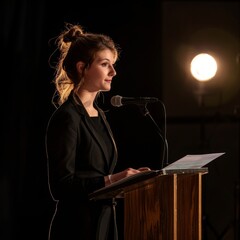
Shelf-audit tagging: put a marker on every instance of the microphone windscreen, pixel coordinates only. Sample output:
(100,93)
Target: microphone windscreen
(116,101)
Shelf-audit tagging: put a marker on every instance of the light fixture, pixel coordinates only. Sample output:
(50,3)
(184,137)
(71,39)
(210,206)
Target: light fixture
(203,67)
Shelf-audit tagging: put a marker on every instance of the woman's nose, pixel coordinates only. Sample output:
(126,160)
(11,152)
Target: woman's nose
(113,71)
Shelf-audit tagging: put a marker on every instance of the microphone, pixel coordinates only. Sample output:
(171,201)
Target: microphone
(118,101)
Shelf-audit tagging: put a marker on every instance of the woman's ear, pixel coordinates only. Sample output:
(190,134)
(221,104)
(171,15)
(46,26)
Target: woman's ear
(80,66)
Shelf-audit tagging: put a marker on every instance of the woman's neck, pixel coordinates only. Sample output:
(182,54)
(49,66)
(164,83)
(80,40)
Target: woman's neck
(87,99)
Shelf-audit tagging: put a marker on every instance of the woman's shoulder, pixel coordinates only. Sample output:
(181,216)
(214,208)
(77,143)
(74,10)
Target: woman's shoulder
(67,112)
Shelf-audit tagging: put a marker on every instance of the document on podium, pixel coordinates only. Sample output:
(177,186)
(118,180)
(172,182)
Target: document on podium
(191,162)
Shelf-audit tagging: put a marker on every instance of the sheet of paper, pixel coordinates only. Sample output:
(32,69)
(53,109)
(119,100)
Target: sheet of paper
(193,161)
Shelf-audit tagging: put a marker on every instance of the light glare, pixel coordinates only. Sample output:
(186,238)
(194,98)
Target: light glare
(203,67)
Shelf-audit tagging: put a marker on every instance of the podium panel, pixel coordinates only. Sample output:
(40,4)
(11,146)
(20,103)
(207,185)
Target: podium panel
(166,207)
(189,207)
(160,205)
(150,209)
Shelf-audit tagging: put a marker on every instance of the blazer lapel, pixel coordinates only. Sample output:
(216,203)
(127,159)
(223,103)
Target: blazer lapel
(115,153)
(95,134)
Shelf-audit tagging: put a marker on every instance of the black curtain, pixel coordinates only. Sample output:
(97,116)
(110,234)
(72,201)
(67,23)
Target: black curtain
(25,201)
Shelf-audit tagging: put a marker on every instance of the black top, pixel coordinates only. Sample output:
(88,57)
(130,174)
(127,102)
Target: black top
(101,128)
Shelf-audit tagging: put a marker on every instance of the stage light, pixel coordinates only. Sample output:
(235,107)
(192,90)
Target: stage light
(203,67)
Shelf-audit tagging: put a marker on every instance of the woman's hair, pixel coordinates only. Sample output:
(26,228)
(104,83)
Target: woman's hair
(75,45)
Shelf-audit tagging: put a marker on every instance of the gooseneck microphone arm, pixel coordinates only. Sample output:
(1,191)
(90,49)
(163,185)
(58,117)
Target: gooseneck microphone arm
(141,102)
(161,133)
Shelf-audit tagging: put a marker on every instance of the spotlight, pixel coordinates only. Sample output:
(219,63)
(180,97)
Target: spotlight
(203,67)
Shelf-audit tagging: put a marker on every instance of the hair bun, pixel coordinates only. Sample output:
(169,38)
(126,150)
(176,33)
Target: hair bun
(72,34)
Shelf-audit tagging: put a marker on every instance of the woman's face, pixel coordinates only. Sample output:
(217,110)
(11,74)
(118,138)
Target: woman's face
(98,77)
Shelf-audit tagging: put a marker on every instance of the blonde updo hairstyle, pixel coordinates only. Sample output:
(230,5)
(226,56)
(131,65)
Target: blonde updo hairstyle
(74,45)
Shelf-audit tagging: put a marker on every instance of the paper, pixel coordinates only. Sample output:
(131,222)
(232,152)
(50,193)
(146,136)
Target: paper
(193,161)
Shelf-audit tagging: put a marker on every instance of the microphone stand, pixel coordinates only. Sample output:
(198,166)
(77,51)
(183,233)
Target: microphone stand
(146,113)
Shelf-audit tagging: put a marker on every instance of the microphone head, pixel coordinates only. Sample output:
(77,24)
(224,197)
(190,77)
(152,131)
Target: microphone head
(116,101)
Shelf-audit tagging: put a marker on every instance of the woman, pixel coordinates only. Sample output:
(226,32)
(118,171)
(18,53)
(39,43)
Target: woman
(80,147)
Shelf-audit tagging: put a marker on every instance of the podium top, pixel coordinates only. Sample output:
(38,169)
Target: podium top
(115,189)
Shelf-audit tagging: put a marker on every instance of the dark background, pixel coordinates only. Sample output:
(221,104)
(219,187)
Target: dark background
(158,40)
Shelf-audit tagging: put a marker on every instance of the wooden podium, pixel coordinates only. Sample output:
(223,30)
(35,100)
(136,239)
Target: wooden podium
(160,206)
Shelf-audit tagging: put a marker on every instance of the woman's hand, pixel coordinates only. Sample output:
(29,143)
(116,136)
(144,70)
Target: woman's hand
(123,174)
(142,169)
(128,172)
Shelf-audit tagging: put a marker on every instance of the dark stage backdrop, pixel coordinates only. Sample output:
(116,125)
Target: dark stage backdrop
(152,36)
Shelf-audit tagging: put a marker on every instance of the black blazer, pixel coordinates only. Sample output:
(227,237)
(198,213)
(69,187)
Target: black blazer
(78,159)
(77,155)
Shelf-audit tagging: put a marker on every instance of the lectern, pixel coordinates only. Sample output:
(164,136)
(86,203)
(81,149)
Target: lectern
(160,205)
